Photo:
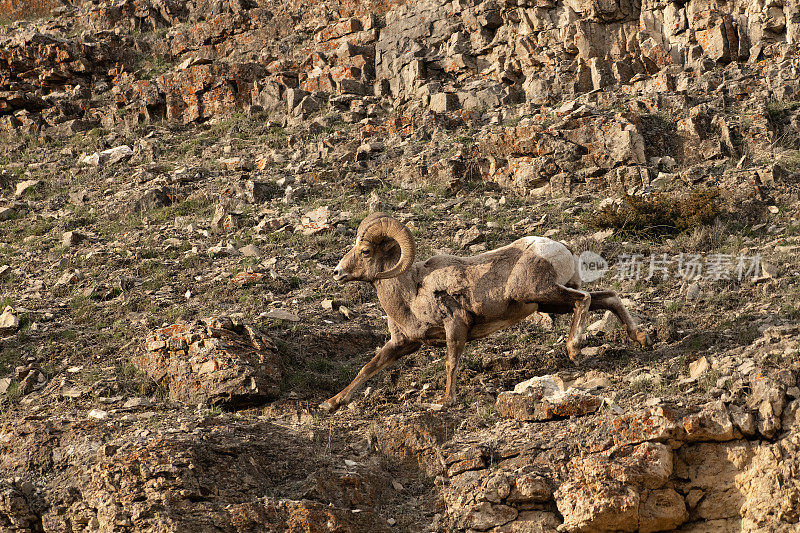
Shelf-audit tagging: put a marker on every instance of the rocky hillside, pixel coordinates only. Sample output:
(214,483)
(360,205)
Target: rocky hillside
(179,178)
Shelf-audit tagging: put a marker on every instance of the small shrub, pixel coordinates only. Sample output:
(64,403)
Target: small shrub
(659,214)
(791,160)
(663,121)
(777,110)
(643,384)
(709,380)
(13,391)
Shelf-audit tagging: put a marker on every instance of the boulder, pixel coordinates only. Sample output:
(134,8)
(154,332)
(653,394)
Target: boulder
(443,102)
(153,198)
(316,221)
(719,40)
(542,399)
(712,423)
(662,510)
(225,221)
(72,238)
(9,321)
(768,399)
(108,157)
(215,361)
(26,186)
(622,489)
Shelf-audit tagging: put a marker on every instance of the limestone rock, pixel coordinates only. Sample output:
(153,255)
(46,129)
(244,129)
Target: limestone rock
(25,186)
(604,326)
(486,515)
(662,510)
(213,362)
(224,220)
(280,314)
(744,420)
(150,199)
(541,399)
(9,321)
(769,399)
(698,367)
(72,238)
(443,102)
(251,250)
(712,423)
(621,490)
(19,508)
(769,488)
(236,163)
(108,157)
(470,236)
(531,488)
(598,506)
(720,40)
(152,464)
(316,221)
(413,439)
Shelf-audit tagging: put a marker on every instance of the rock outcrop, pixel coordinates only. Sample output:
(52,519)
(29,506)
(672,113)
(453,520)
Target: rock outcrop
(216,362)
(198,475)
(471,62)
(164,160)
(656,471)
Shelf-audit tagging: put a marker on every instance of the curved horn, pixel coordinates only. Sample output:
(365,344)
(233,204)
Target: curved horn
(368,221)
(389,228)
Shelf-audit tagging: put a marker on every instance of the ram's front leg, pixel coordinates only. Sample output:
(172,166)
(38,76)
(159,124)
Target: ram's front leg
(456,335)
(386,356)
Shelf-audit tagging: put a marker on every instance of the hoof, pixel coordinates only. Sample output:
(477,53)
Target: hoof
(328,406)
(444,401)
(644,339)
(575,356)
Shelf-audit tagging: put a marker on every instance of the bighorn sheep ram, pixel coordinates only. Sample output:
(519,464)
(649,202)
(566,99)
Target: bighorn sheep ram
(447,300)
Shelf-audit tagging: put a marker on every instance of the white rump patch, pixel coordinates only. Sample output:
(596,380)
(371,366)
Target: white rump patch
(556,254)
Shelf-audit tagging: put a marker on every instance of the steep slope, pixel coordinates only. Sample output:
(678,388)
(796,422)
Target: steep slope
(178,180)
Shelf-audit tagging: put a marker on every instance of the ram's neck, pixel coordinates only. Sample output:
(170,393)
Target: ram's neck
(395,295)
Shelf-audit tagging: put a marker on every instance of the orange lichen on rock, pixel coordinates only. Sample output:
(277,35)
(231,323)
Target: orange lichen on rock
(215,361)
(25,9)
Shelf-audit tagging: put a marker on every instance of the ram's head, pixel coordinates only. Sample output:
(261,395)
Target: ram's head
(384,248)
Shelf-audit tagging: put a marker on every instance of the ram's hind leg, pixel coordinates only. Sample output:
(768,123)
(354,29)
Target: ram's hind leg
(561,297)
(610,301)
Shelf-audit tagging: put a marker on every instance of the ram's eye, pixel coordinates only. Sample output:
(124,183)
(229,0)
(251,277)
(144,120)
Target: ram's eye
(365,252)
